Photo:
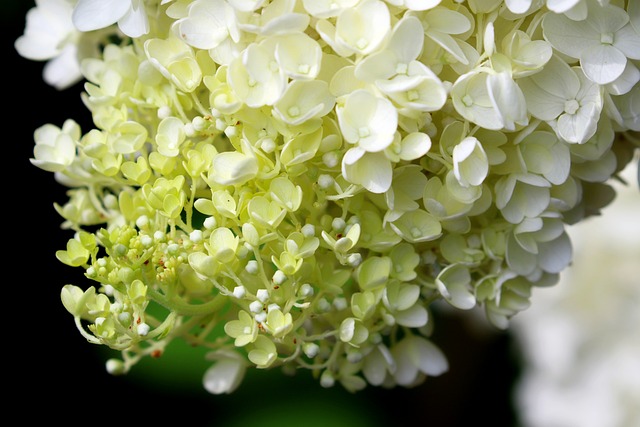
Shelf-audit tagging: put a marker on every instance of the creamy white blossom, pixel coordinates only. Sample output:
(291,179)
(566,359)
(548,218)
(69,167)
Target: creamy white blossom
(298,183)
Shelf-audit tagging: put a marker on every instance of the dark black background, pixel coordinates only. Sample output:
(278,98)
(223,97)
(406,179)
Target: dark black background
(56,376)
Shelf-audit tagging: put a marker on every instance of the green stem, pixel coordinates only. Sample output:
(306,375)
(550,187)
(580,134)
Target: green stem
(180,307)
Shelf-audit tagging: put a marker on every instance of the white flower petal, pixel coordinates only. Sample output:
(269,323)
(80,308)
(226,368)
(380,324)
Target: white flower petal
(373,171)
(207,24)
(568,36)
(90,15)
(414,317)
(135,23)
(578,128)
(432,360)
(518,6)
(555,256)
(627,40)
(603,63)
(224,376)
(561,6)
(63,71)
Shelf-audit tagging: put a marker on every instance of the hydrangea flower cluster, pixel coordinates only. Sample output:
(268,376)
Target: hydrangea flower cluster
(295,183)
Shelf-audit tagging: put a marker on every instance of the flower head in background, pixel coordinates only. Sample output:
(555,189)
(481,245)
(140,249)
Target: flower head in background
(302,184)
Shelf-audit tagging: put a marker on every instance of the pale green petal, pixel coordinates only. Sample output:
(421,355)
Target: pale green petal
(414,317)
(400,296)
(407,39)
(380,65)
(363,304)
(449,44)
(470,163)
(471,99)
(447,21)
(417,226)
(233,168)
(555,256)
(527,54)
(373,171)
(598,170)
(454,283)
(633,9)
(508,100)
(206,266)
(264,353)
(362,29)
(414,145)
(374,272)
(303,100)
(518,259)
(299,56)
(223,245)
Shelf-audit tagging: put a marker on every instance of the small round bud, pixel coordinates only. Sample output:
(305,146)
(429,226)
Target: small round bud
(242,252)
(196,236)
(325,181)
(252,267)
(354,356)
(339,303)
(306,290)
(231,131)
(310,349)
(268,145)
(142,221)
(255,307)
(273,306)
(239,292)
(354,259)
(330,159)
(338,224)
(323,305)
(308,230)
(262,295)
(279,277)
(164,112)
(198,123)
(210,223)
(189,130)
(143,329)
(327,379)
(146,241)
(220,124)
(116,367)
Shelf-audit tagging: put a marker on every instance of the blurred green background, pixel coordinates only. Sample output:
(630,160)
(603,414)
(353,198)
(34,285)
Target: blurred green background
(52,366)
